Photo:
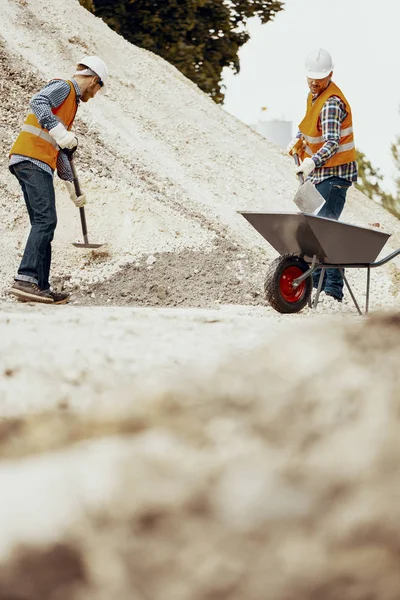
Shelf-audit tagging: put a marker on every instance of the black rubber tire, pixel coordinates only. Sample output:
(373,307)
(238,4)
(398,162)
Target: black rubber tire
(273,285)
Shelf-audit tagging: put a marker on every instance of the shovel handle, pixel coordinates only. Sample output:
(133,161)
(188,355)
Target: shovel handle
(83,223)
(78,192)
(297,163)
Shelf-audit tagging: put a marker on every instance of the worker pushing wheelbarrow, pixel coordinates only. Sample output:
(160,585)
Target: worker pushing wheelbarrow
(325,157)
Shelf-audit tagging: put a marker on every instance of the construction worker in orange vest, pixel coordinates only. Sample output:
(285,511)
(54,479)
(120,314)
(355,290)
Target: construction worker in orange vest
(328,154)
(35,155)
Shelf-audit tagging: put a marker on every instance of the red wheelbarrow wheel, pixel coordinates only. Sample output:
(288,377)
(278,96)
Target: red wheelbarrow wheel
(278,285)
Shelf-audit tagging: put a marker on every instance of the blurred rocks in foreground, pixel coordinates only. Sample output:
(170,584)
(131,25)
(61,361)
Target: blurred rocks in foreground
(276,480)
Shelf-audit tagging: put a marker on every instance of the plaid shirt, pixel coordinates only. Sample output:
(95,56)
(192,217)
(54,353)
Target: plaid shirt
(51,96)
(332,116)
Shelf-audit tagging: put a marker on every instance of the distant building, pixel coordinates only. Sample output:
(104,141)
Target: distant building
(278,132)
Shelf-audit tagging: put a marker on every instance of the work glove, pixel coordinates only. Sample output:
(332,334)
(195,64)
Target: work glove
(306,167)
(291,145)
(79,201)
(295,144)
(63,137)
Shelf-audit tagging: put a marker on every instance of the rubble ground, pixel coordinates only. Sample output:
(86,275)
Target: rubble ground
(167,435)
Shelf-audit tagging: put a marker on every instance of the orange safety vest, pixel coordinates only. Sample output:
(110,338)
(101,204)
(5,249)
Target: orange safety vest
(311,129)
(36,142)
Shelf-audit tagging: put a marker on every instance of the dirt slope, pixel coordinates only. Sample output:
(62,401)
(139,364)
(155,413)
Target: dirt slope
(164,168)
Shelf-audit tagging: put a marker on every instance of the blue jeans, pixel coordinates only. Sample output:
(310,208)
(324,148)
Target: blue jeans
(334,190)
(38,189)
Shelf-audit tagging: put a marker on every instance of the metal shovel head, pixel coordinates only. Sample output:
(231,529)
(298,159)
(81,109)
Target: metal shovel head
(308,198)
(77,245)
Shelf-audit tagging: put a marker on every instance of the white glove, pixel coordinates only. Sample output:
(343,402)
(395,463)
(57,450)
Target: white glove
(63,137)
(291,145)
(79,201)
(306,167)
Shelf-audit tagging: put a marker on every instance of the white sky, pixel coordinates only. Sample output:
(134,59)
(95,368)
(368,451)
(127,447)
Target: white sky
(363,39)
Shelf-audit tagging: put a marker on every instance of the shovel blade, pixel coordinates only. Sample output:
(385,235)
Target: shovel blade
(87,245)
(308,199)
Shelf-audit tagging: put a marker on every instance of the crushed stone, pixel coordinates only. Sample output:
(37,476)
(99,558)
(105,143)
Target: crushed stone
(165,171)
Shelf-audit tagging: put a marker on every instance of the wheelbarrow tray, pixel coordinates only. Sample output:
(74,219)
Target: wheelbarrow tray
(332,242)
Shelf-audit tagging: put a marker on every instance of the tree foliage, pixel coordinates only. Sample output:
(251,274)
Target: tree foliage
(199,37)
(370,181)
(369,178)
(392,203)
(88,4)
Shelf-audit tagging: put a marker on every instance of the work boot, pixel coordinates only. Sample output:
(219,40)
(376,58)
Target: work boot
(333,296)
(30,292)
(60,297)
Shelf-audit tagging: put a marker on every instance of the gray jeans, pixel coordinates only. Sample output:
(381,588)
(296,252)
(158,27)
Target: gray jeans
(38,189)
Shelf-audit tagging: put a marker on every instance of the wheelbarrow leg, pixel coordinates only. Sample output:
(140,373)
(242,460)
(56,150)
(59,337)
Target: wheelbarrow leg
(350,291)
(368,282)
(312,269)
(320,281)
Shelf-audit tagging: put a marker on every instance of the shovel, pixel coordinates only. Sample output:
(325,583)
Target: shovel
(78,192)
(307,197)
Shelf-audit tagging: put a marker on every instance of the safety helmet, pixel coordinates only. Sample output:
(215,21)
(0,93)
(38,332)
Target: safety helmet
(318,64)
(97,65)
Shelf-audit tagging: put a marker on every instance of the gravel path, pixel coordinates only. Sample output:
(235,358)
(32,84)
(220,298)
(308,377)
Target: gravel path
(74,356)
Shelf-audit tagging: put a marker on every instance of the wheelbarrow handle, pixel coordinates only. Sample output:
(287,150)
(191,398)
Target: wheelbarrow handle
(297,163)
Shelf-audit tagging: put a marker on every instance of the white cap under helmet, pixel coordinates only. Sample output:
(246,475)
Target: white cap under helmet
(95,64)
(318,64)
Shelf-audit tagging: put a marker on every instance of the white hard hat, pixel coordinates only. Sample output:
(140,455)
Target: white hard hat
(97,65)
(318,64)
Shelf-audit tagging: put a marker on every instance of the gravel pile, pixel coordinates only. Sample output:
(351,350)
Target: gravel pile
(165,171)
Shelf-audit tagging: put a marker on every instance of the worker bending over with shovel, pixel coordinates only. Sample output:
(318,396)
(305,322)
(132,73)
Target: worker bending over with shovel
(35,155)
(326,149)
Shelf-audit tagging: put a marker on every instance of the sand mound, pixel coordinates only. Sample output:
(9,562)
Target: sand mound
(165,169)
(186,454)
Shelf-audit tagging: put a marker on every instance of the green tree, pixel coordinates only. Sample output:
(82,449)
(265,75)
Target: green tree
(199,37)
(370,180)
(392,204)
(87,4)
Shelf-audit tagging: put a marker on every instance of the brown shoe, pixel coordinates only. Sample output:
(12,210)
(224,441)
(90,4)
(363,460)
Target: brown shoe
(30,292)
(60,297)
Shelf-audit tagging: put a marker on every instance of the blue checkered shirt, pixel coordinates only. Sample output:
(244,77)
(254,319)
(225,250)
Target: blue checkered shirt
(332,116)
(51,96)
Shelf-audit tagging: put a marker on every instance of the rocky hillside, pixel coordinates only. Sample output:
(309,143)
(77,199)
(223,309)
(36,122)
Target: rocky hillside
(164,168)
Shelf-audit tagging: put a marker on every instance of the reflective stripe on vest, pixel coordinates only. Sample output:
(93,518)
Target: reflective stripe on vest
(342,148)
(310,128)
(42,133)
(36,142)
(320,140)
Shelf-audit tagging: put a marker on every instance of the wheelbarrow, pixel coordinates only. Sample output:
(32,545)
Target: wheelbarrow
(307,243)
